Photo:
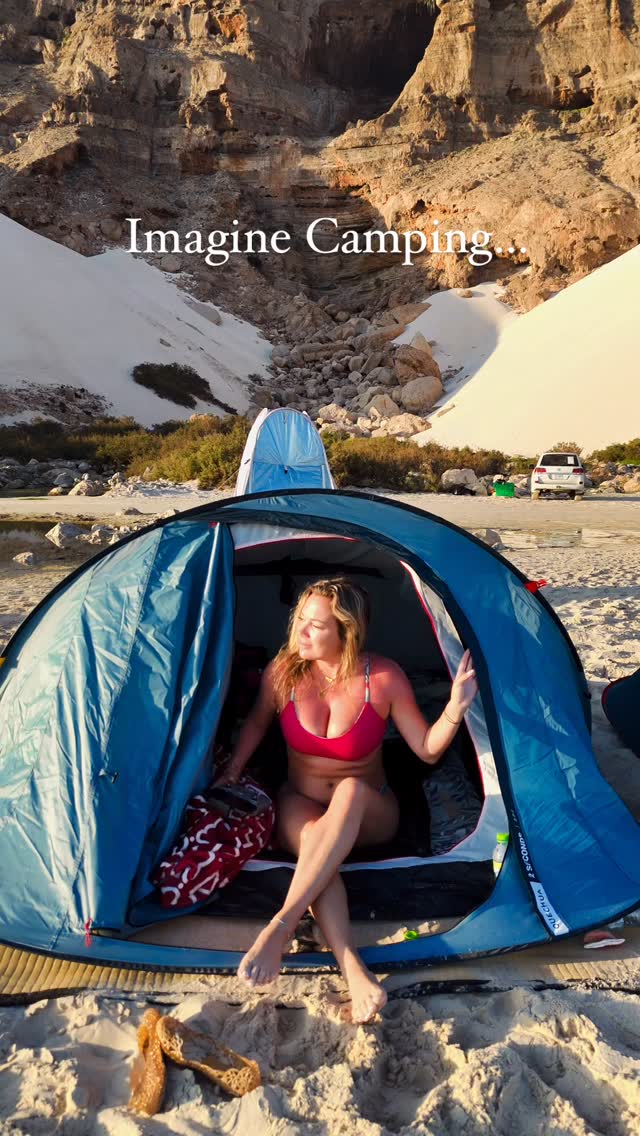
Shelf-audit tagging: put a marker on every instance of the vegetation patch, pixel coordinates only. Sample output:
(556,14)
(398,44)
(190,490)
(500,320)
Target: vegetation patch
(178,383)
(209,448)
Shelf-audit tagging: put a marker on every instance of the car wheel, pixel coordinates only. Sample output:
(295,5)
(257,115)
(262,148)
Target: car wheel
(572,495)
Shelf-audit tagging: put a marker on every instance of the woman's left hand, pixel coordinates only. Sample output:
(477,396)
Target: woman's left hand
(464,687)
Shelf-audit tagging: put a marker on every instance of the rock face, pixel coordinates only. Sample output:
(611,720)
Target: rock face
(519,120)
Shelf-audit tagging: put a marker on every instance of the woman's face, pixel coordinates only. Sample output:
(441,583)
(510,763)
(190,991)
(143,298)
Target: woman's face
(317,630)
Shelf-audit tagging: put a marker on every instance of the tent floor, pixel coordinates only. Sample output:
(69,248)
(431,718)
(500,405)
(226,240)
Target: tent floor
(430,891)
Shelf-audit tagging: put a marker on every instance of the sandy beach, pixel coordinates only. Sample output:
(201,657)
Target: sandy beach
(522,1060)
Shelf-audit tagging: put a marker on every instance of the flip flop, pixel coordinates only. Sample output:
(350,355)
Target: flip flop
(194,1050)
(594,940)
(149,1075)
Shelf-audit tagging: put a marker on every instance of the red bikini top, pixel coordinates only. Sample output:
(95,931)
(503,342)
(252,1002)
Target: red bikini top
(365,735)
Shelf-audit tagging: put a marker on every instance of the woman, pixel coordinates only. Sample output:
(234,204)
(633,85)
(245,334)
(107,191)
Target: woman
(333,702)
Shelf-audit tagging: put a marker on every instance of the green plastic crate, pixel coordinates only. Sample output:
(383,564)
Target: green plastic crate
(507,489)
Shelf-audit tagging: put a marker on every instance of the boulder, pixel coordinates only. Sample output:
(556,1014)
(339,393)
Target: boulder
(404,425)
(409,362)
(384,406)
(381,376)
(407,313)
(111,229)
(64,535)
(100,534)
(378,339)
(491,537)
(419,343)
(371,363)
(421,394)
(57,491)
(171,262)
(334,413)
(454,480)
(28,559)
(87,489)
(64,479)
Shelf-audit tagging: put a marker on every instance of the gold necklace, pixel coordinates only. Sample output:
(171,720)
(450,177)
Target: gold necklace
(321,693)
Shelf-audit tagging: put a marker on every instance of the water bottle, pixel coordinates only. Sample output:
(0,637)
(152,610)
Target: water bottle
(500,851)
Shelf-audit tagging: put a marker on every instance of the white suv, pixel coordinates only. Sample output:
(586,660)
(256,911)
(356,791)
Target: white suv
(558,473)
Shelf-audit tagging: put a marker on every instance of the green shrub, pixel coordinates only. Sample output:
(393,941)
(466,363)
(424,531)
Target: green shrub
(208,448)
(626,453)
(175,382)
(107,441)
(386,462)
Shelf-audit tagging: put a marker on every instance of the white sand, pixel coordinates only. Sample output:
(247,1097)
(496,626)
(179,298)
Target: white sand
(522,1062)
(617,513)
(86,321)
(566,371)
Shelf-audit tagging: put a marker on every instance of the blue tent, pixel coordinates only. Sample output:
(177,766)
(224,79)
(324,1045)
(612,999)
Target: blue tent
(283,451)
(111,692)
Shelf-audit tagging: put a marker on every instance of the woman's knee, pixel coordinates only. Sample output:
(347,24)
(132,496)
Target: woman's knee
(351,791)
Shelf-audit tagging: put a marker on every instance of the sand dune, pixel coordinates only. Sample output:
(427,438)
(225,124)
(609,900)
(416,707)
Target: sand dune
(86,321)
(566,371)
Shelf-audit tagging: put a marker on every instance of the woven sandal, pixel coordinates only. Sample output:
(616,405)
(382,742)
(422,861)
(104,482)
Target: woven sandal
(149,1074)
(199,1051)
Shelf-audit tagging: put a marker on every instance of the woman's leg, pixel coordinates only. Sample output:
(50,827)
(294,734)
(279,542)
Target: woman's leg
(356,814)
(331,912)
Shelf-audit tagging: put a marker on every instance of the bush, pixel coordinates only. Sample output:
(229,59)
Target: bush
(564,448)
(108,441)
(625,453)
(208,448)
(175,382)
(386,462)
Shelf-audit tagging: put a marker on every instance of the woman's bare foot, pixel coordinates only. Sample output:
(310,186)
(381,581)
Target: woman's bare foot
(261,964)
(367,995)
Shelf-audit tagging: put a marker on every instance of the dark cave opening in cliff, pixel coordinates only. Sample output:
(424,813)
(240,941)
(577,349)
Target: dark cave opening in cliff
(370,48)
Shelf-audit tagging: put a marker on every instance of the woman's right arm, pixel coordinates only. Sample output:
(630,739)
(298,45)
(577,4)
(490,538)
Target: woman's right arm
(253,731)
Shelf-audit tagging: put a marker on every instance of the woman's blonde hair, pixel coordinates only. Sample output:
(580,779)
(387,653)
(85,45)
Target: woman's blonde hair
(351,608)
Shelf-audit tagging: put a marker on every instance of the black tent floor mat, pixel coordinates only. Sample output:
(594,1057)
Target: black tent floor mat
(434,891)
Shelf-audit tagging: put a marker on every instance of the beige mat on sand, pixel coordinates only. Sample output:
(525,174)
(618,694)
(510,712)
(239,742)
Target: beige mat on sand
(26,976)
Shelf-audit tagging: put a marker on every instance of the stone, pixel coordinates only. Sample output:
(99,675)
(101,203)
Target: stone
(407,313)
(332,412)
(371,363)
(66,480)
(27,559)
(381,376)
(454,480)
(171,262)
(405,425)
(111,229)
(384,405)
(100,534)
(65,535)
(57,491)
(409,362)
(356,362)
(87,489)
(465,293)
(419,343)
(421,394)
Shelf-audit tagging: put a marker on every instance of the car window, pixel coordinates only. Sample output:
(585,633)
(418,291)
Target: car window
(558,459)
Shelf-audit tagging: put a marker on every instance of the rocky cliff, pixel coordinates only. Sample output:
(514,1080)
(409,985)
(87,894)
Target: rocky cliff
(520,118)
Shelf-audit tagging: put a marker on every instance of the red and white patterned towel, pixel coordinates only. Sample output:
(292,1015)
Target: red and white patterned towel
(212,849)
